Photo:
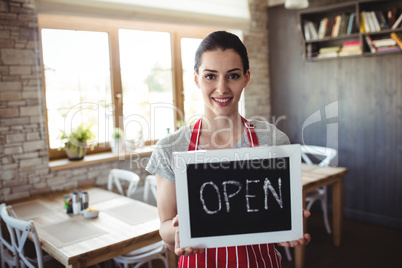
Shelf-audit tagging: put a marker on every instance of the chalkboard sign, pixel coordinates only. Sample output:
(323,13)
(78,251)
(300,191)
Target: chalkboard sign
(239,196)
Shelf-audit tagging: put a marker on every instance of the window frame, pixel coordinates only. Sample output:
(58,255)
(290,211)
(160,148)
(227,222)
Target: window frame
(111,27)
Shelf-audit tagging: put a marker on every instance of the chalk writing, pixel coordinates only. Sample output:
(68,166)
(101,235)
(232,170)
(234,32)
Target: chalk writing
(267,187)
(203,200)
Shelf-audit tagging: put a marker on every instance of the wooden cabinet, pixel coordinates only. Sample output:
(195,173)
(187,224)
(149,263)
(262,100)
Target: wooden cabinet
(348,29)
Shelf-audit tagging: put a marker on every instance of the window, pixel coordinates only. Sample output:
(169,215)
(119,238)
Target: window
(77,76)
(192,106)
(146,73)
(116,73)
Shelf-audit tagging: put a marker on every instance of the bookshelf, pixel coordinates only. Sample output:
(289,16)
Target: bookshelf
(351,29)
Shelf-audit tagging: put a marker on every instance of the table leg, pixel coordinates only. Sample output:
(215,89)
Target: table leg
(299,256)
(173,259)
(79,265)
(301,251)
(337,206)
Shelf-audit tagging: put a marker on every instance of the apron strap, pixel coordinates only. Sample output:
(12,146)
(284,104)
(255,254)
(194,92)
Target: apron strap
(252,137)
(195,135)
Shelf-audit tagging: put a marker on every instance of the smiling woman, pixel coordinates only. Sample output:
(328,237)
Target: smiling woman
(221,73)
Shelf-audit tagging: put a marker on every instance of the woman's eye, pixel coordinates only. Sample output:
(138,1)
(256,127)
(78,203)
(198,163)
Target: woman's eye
(209,76)
(234,76)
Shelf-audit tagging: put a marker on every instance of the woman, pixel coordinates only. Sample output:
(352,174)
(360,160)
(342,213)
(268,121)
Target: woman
(221,72)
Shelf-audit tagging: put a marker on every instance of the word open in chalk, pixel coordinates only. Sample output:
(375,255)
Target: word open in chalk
(237,187)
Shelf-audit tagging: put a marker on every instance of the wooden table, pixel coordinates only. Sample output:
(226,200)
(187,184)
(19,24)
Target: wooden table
(123,225)
(314,177)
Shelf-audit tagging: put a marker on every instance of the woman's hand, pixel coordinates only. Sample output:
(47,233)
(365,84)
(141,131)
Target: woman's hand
(182,251)
(302,241)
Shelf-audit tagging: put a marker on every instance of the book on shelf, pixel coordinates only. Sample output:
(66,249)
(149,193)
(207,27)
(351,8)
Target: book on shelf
(328,52)
(367,26)
(398,38)
(398,23)
(351,23)
(343,24)
(381,20)
(370,44)
(310,33)
(327,55)
(307,35)
(388,49)
(370,26)
(392,16)
(313,31)
(350,48)
(349,53)
(322,29)
(335,28)
(362,23)
(376,24)
(382,42)
(312,51)
(329,49)
(375,21)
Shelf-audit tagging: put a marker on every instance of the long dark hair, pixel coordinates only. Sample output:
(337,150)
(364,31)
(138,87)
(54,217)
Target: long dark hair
(221,40)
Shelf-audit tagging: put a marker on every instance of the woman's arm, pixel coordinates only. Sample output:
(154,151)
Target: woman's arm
(167,208)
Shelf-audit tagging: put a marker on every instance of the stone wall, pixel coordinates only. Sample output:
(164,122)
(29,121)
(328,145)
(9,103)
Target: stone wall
(23,147)
(257,93)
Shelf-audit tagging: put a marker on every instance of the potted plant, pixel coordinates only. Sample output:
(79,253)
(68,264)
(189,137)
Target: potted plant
(76,143)
(117,140)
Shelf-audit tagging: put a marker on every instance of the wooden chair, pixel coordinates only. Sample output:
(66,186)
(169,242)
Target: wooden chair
(116,176)
(321,156)
(8,253)
(151,252)
(144,255)
(19,232)
(148,253)
(149,186)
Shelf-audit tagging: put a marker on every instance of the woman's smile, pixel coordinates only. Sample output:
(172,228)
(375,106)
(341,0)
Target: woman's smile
(222,101)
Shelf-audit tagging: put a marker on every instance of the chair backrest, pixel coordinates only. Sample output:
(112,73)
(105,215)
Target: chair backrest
(19,232)
(326,154)
(118,175)
(150,186)
(7,252)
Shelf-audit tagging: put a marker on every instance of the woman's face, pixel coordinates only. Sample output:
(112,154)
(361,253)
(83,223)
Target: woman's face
(221,79)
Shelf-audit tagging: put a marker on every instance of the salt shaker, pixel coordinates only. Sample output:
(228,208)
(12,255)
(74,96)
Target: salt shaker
(76,203)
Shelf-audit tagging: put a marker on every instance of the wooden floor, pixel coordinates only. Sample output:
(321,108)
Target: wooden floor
(363,245)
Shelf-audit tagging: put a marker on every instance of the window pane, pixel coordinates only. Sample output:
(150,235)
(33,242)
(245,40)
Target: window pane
(146,71)
(193,103)
(77,77)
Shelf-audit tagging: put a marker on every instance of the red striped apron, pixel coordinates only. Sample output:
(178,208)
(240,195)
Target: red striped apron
(253,256)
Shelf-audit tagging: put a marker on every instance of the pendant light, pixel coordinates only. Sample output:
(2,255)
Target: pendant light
(296,4)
